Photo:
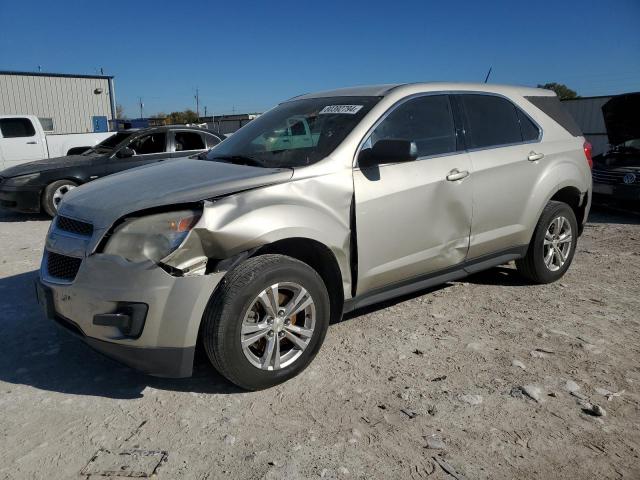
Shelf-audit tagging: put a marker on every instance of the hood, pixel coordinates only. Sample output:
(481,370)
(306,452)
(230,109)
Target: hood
(181,181)
(621,118)
(48,164)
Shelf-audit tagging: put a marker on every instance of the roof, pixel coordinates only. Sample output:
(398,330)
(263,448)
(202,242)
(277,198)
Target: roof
(45,74)
(385,89)
(162,128)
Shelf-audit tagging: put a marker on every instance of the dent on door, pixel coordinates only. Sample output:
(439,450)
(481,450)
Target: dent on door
(411,220)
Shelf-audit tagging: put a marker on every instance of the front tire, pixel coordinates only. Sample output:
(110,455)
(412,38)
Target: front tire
(53,195)
(553,245)
(266,321)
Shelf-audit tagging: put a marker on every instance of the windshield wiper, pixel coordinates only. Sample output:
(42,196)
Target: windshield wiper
(240,160)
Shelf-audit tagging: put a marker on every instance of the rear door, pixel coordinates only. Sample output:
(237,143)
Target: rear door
(20,141)
(148,148)
(503,144)
(410,219)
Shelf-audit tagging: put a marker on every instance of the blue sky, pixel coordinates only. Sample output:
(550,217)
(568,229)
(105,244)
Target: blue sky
(247,56)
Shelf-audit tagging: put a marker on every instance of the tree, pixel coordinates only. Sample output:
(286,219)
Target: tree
(120,111)
(188,116)
(561,90)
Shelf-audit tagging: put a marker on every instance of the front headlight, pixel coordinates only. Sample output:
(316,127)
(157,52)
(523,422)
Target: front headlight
(152,237)
(20,180)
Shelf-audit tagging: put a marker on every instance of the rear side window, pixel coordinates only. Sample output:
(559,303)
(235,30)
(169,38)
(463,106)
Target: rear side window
(552,107)
(188,141)
(427,121)
(16,127)
(530,131)
(491,121)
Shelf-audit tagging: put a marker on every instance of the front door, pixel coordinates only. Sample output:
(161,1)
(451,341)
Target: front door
(19,142)
(413,218)
(148,148)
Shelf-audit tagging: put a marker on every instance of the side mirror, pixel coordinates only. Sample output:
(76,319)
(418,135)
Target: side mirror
(388,151)
(125,152)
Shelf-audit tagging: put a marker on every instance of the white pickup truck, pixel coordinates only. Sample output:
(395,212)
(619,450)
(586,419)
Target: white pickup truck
(22,139)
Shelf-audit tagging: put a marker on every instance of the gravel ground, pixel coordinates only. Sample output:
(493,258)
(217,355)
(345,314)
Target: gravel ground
(470,380)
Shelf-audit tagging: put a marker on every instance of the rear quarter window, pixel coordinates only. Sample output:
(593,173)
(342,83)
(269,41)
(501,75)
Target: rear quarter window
(552,107)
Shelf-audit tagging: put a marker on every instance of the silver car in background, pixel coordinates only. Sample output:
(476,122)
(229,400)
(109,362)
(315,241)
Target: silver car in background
(327,203)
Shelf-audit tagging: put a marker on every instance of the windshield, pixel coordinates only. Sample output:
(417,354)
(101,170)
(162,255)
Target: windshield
(295,133)
(110,143)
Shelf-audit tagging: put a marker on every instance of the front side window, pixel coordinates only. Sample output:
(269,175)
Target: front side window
(295,133)
(152,143)
(188,141)
(16,127)
(491,121)
(427,121)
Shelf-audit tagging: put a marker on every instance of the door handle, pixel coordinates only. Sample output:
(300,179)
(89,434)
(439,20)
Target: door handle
(456,174)
(533,156)
(32,143)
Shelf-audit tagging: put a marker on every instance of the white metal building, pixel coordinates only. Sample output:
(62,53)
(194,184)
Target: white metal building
(64,103)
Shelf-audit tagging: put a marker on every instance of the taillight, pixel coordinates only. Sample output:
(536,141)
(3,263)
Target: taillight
(587,153)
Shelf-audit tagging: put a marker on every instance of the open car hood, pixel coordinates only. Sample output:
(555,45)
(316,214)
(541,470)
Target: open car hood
(622,118)
(174,182)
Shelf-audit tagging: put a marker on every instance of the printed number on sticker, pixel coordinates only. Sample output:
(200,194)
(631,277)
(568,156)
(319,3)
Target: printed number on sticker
(348,109)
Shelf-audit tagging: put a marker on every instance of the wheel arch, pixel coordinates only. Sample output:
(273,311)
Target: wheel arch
(572,196)
(319,257)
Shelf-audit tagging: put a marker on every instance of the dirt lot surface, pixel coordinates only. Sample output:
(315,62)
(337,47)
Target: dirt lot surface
(440,385)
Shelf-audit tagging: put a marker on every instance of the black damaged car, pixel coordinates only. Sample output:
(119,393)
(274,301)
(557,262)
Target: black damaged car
(41,185)
(616,174)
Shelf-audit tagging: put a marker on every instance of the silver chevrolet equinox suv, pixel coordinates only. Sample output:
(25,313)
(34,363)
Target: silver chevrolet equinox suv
(327,203)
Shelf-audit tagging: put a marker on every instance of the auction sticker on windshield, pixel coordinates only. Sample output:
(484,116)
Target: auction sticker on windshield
(348,109)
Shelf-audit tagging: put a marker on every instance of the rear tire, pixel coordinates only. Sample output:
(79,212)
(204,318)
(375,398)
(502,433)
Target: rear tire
(553,245)
(53,194)
(241,308)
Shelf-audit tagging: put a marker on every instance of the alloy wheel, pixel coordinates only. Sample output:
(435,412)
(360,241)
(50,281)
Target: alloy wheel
(278,326)
(558,240)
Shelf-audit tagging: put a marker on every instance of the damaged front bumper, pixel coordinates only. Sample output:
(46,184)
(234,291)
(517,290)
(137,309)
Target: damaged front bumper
(137,314)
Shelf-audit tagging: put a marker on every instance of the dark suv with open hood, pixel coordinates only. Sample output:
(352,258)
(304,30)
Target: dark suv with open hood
(616,174)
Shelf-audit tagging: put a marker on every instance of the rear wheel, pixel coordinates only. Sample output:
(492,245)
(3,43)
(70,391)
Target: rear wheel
(54,193)
(553,244)
(266,321)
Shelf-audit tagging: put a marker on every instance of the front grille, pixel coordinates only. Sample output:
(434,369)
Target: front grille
(610,177)
(74,226)
(62,267)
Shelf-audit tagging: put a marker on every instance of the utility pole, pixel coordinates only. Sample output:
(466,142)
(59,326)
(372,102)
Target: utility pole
(141,105)
(205,110)
(197,96)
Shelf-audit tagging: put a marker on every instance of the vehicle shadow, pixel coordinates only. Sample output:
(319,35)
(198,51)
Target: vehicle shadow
(10,216)
(505,276)
(38,353)
(390,303)
(613,214)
